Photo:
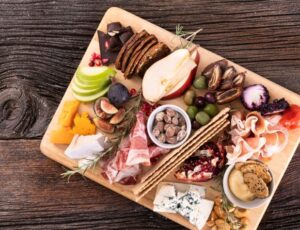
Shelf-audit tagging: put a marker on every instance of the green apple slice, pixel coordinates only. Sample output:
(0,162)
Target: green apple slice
(81,85)
(91,74)
(91,97)
(87,92)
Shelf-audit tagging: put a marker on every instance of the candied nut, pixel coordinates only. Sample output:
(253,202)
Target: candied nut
(214,228)
(177,129)
(210,223)
(162,138)
(155,132)
(171,112)
(175,121)
(238,80)
(181,135)
(208,69)
(172,140)
(160,116)
(215,79)
(218,200)
(219,211)
(170,131)
(181,121)
(228,95)
(166,126)
(213,215)
(244,221)
(222,224)
(167,119)
(239,212)
(160,125)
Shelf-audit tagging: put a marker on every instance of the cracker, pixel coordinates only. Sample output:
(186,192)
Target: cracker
(161,175)
(131,48)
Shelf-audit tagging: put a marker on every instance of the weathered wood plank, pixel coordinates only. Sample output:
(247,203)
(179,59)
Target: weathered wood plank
(41,44)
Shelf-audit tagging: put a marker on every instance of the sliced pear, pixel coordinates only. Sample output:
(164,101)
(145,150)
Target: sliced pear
(91,97)
(165,74)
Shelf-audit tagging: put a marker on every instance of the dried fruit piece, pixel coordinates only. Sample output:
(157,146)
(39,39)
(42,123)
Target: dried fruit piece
(277,106)
(215,79)
(229,73)
(118,117)
(239,79)
(228,95)
(104,125)
(208,70)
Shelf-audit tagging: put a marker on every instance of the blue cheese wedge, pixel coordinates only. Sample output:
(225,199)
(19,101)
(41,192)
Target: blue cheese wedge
(165,199)
(186,200)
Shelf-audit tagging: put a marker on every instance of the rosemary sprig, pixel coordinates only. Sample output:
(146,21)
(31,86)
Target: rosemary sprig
(90,163)
(115,140)
(189,36)
(234,222)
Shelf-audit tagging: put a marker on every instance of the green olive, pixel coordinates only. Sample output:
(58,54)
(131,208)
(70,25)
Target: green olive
(200,82)
(192,111)
(211,109)
(202,117)
(189,96)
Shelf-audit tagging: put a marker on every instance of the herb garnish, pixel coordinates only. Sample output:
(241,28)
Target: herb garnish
(188,36)
(122,131)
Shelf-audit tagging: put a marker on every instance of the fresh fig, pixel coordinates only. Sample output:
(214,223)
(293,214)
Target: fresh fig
(107,107)
(103,125)
(118,117)
(118,94)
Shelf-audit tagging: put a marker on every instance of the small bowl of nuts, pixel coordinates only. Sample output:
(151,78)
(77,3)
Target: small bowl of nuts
(168,126)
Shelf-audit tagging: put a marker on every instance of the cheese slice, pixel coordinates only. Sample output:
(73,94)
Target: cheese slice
(86,146)
(165,199)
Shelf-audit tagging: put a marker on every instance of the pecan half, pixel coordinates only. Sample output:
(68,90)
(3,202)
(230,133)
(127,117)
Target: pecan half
(207,72)
(228,95)
(239,79)
(216,78)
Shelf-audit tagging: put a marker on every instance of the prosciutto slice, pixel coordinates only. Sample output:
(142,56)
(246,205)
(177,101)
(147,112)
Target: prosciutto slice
(255,137)
(139,152)
(133,152)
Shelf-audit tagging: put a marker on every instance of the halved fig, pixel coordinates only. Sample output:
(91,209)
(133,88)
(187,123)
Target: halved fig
(103,125)
(205,164)
(118,117)
(107,107)
(98,111)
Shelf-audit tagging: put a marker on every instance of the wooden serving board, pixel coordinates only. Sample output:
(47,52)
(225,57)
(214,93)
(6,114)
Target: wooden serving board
(278,164)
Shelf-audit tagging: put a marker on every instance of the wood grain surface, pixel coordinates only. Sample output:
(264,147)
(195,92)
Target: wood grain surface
(41,44)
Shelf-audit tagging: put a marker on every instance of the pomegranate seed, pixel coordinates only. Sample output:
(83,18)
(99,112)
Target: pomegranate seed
(94,56)
(132,91)
(97,62)
(91,63)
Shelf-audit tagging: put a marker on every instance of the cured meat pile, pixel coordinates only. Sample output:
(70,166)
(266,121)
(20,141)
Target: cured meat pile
(133,152)
(255,136)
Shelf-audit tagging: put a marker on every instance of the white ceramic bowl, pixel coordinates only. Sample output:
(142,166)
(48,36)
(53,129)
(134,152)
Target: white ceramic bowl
(243,204)
(151,121)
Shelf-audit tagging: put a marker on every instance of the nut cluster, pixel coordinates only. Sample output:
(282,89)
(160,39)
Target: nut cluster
(224,80)
(169,127)
(220,220)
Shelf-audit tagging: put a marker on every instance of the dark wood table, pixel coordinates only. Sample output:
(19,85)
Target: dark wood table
(41,44)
